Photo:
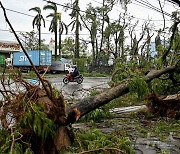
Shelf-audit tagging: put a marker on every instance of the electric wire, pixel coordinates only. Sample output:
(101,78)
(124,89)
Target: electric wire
(152,7)
(145,4)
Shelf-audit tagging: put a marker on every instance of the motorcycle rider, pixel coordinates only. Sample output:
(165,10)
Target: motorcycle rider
(75,72)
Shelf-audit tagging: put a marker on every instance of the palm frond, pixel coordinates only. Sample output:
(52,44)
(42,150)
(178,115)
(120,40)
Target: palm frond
(65,26)
(43,21)
(50,15)
(36,9)
(35,21)
(50,6)
(71,23)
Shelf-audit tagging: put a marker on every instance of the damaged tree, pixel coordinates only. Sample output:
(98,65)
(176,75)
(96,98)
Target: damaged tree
(36,117)
(88,104)
(43,121)
(167,106)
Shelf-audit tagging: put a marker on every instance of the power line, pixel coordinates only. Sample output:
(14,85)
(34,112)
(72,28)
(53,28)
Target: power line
(68,7)
(152,7)
(48,20)
(5,30)
(135,3)
(130,15)
(22,13)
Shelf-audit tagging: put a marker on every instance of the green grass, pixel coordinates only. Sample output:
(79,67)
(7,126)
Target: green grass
(95,140)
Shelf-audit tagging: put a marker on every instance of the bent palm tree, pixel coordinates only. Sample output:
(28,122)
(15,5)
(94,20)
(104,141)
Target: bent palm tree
(53,25)
(37,22)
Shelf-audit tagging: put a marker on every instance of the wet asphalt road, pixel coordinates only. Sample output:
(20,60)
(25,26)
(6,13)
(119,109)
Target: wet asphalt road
(73,90)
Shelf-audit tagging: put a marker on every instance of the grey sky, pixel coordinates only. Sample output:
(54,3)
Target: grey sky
(24,23)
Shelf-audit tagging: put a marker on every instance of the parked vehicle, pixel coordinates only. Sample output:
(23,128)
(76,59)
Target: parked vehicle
(59,66)
(42,59)
(68,78)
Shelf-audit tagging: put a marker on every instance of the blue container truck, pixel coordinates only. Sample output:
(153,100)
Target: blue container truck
(42,59)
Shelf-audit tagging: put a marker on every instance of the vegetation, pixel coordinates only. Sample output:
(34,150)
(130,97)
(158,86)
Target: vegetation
(38,121)
(30,41)
(95,141)
(54,22)
(37,22)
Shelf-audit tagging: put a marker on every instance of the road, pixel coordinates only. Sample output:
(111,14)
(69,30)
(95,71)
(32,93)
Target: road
(73,90)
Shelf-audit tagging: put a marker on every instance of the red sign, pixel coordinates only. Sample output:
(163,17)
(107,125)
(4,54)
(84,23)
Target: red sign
(9,46)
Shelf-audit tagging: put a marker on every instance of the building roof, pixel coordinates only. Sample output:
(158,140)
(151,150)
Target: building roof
(9,46)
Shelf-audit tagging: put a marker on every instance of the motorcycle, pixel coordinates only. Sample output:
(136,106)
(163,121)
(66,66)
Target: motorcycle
(68,78)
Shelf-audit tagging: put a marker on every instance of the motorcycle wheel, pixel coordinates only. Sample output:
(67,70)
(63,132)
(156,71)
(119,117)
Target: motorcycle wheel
(65,80)
(80,80)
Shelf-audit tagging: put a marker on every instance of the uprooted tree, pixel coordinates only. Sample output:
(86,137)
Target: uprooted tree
(37,117)
(42,122)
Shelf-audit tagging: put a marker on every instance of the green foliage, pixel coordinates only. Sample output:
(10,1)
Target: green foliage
(165,87)
(6,143)
(31,74)
(139,86)
(124,72)
(96,115)
(81,64)
(164,129)
(124,101)
(95,139)
(32,41)
(38,121)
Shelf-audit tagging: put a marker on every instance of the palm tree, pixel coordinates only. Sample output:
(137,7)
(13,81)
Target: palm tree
(77,25)
(62,26)
(53,25)
(37,22)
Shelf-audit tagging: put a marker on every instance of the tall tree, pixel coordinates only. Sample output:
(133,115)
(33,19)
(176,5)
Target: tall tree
(62,27)
(53,25)
(103,13)
(37,22)
(174,29)
(76,24)
(91,23)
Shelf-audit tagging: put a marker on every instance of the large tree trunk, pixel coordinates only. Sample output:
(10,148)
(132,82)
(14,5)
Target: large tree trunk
(88,104)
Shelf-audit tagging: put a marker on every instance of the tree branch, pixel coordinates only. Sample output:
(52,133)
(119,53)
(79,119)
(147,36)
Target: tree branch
(88,104)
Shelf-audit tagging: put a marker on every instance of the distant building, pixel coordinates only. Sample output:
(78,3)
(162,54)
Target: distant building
(7,48)
(152,47)
(52,47)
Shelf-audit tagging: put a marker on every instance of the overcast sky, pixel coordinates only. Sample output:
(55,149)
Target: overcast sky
(23,23)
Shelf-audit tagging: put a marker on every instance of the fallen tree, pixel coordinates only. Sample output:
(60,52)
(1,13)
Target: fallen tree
(88,104)
(43,121)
